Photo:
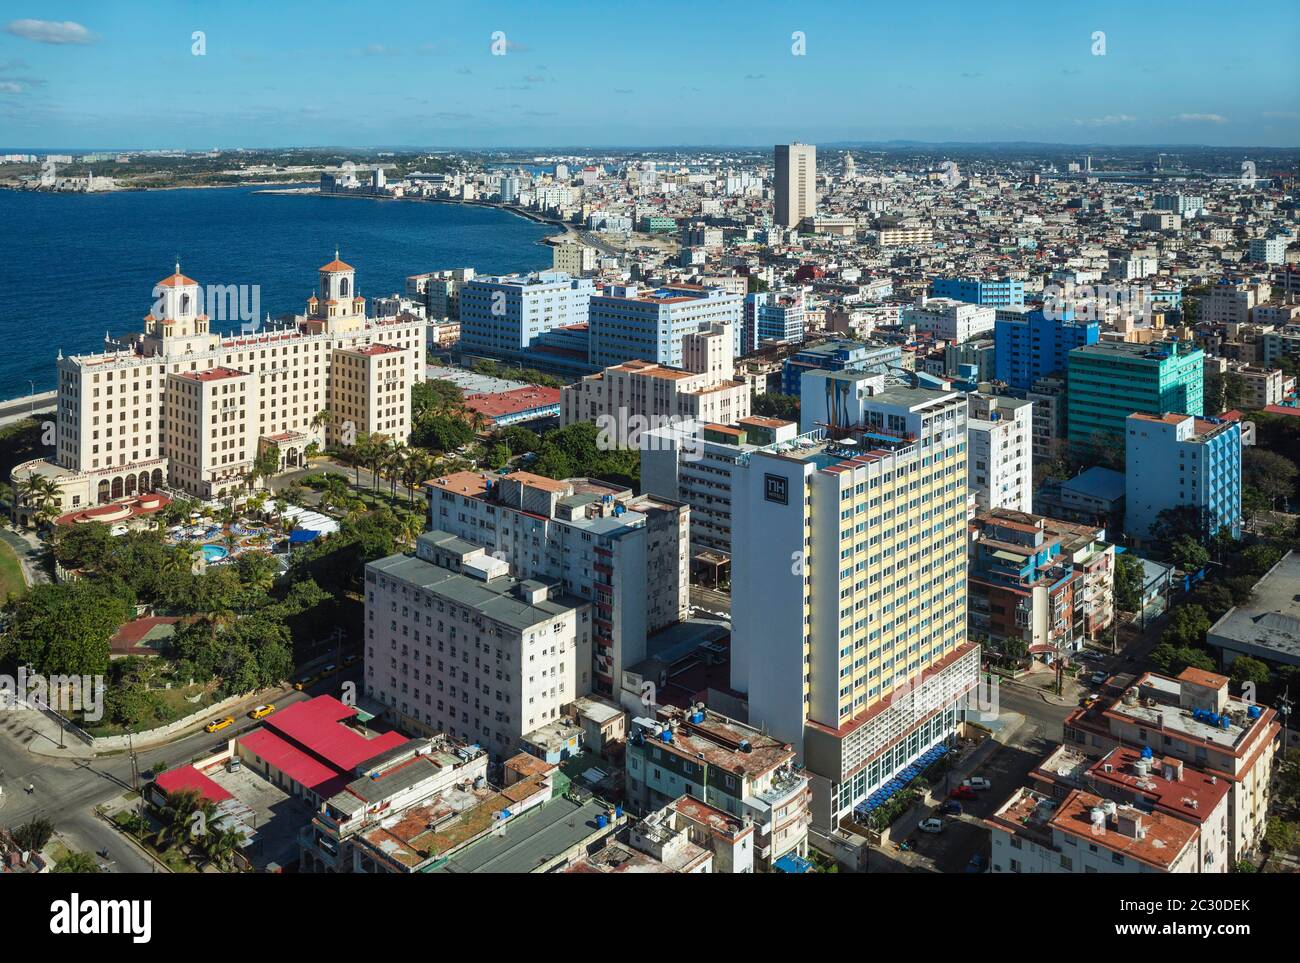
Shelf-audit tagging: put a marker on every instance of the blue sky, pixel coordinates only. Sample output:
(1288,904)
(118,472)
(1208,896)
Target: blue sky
(120,73)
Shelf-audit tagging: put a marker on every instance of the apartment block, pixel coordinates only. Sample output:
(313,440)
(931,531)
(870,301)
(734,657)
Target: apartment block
(628,323)
(626,399)
(454,644)
(1193,718)
(1111,380)
(996,292)
(1031,345)
(726,765)
(693,462)
(1178,461)
(950,319)
(772,316)
(625,554)
(501,316)
(1001,458)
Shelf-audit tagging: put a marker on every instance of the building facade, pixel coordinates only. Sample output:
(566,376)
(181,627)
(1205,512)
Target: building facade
(180,406)
(1111,380)
(1176,461)
(849,592)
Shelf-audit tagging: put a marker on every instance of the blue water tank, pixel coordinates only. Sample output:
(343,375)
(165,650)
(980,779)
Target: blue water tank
(602,821)
(618,812)
(1147,753)
(666,735)
(1254,712)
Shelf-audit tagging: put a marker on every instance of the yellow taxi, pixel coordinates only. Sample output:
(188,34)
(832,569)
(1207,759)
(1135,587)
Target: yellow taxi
(261,712)
(216,725)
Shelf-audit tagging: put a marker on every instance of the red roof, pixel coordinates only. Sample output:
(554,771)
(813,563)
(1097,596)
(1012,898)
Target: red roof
(309,743)
(337,265)
(187,777)
(513,402)
(175,281)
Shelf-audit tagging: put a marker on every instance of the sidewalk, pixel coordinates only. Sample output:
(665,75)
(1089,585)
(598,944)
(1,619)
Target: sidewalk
(1037,681)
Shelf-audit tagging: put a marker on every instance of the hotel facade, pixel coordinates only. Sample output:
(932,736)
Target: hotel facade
(849,592)
(179,407)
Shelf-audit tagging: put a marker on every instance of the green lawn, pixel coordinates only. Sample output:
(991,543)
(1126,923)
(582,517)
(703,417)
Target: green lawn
(11,573)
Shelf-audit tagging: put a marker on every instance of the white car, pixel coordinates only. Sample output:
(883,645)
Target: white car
(931,825)
(977,782)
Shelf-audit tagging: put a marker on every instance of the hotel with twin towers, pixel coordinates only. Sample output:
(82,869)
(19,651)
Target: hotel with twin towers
(176,406)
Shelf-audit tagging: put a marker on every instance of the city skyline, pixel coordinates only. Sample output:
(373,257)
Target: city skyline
(498,75)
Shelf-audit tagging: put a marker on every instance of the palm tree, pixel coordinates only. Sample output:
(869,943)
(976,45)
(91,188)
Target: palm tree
(220,844)
(378,452)
(174,817)
(394,464)
(417,467)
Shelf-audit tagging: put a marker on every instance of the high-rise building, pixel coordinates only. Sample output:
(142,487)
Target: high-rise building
(625,554)
(1030,345)
(179,405)
(772,316)
(1268,250)
(849,592)
(838,356)
(795,183)
(1001,458)
(1177,461)
(692,462)
(1111,380)
(629,323)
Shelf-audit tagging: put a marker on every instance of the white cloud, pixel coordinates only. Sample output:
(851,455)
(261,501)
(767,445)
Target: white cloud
(1201,119)
(1107,121)
(50,31)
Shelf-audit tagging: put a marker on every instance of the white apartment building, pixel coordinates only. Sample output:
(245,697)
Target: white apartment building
(500,316)
(625,554)
(454,644)
(1001,454)
(1231,303)
(1268,250)
(178,405)
(950,319)
(692,462)
(628,398)
(849,592)
(1084,833)
(629,323)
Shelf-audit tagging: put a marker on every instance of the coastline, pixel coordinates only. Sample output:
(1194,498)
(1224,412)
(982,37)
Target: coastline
(567,230)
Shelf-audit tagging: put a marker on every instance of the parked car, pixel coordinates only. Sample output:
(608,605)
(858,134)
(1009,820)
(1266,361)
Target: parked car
(261,712)
(1097,678)
(962,792)
(950,808)
(328,670)
(931,825)
(1092,655)
(977,782)
(216,725)
(351,658)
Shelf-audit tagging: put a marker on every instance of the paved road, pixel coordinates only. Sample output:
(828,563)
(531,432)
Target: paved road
(68,790)
(16,409)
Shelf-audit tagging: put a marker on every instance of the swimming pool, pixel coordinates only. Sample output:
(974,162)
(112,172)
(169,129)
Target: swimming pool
(214,553)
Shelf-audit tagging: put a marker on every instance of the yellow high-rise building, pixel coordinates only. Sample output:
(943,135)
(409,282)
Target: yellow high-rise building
(849,591)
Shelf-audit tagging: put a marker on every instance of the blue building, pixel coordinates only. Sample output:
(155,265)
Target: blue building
(838,356)
(976,291)
(1035,346)
(1176,461)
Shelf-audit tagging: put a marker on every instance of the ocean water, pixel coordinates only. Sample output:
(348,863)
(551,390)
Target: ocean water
(73,267)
